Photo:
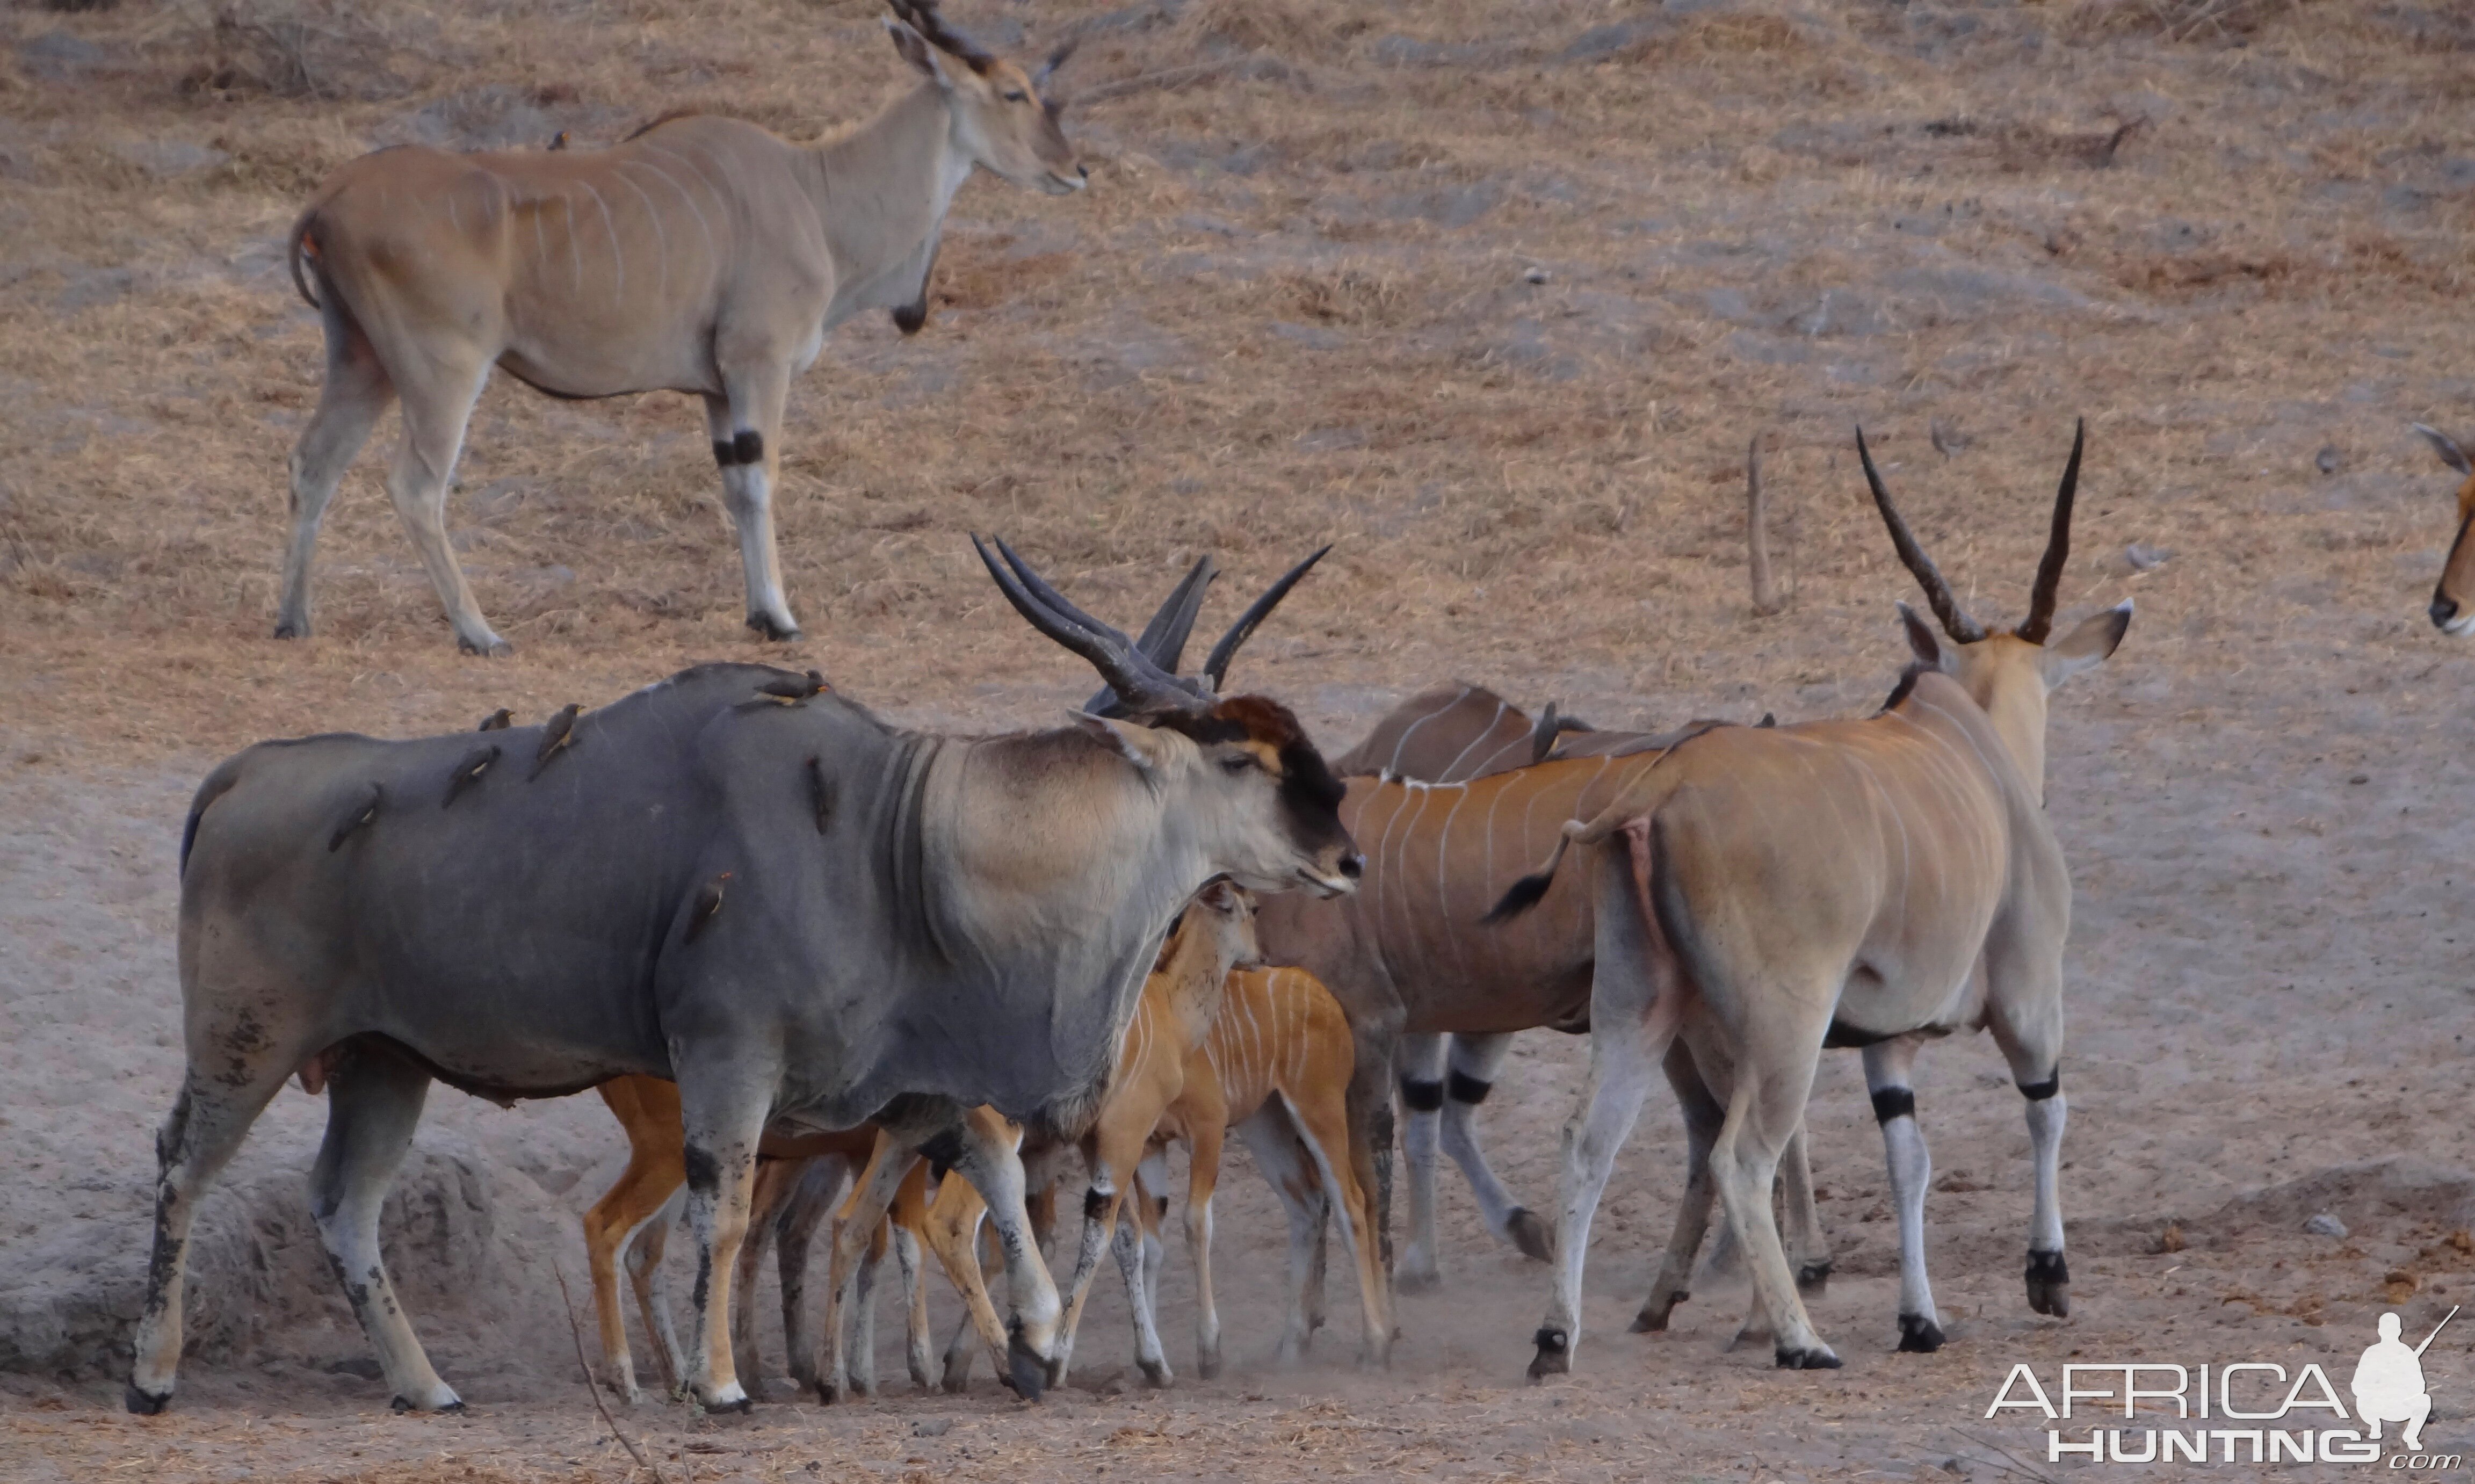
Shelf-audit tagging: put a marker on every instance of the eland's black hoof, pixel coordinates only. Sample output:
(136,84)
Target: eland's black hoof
(1805,1360)
(1555,1355)
(828,1393)
(289,630)
(1535,1237)
(1814,1277)
(763,624)
(1026,1372)
(145,1403)
(2050,1285)
(1157,1377)
(1918,1335)
(1653,1315)
(1208,1366)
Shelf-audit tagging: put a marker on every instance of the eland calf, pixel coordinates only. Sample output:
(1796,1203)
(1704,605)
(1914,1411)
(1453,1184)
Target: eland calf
(704,254)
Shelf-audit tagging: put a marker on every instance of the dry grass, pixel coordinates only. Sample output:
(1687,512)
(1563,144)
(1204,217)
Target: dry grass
(1292,309)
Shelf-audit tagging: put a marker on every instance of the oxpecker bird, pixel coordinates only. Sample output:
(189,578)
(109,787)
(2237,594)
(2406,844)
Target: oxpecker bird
(708,905)
(498,721)
(469,771)
(555,735)
(791,690)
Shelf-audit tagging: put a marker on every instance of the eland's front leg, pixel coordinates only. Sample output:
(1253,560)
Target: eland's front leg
(1475,1061)
(1422,1104)
(985,1154)
(746,428)
(722,1113)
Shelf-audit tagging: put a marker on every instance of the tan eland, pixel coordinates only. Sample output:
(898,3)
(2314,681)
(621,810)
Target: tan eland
(1876,883)
(704,254)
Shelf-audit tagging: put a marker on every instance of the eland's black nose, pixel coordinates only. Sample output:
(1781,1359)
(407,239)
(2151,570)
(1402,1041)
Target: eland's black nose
(2443,610)
(1353,866)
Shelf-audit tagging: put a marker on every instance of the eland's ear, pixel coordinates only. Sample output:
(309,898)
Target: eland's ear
(1923,641)
(917,50)
(1148,747)
(2447,447)
(2087,645)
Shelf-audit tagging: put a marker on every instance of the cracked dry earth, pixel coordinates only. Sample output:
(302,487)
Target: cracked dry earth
(1494,301)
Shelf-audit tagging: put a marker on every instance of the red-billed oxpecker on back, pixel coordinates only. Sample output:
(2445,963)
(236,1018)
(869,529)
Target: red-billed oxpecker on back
(704,254)
(1874,883)
(2453,599)
(801,915)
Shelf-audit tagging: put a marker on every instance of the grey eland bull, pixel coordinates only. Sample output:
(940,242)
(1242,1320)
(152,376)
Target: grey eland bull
(704,254)
(801,915)
(1874,884)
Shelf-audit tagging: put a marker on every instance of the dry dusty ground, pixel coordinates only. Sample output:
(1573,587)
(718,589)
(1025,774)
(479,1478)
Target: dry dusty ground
(1297,306)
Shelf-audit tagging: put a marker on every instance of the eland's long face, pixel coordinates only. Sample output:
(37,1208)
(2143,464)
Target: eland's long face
(2453,601)
(1266,807)
(1001,121)
(2452,598)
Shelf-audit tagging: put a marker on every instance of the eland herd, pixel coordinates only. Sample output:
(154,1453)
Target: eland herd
(832,973)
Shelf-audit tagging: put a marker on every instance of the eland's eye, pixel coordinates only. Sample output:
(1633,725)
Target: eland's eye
(1017,95)
(1235,763)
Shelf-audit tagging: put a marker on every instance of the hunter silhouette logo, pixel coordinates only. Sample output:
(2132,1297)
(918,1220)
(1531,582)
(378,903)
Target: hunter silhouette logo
(2230,1401)
(2388,1382)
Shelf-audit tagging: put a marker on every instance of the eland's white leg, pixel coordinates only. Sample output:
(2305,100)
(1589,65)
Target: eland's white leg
(746,428)
(1475,1061)
(1422,1103)
(2023,974)
(1887,1068)
(1636,1008)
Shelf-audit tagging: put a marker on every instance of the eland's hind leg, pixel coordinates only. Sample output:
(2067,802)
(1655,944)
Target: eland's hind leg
(985,1156)
(1323,1132)
(1773,1082)
(438,397)
(373,1105)
(820,1188)
(648,1109)
(1636,1005)
(357,391)
(1281,1156)
(1704,1115)
(1887,1068)
(207,1125)
(2024,981)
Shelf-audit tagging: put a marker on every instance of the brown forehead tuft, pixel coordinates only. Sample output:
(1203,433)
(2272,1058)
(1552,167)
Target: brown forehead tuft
(2467,498)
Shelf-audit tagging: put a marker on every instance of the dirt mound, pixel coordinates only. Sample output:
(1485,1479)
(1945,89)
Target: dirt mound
(463,1236)
(2374,1195)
